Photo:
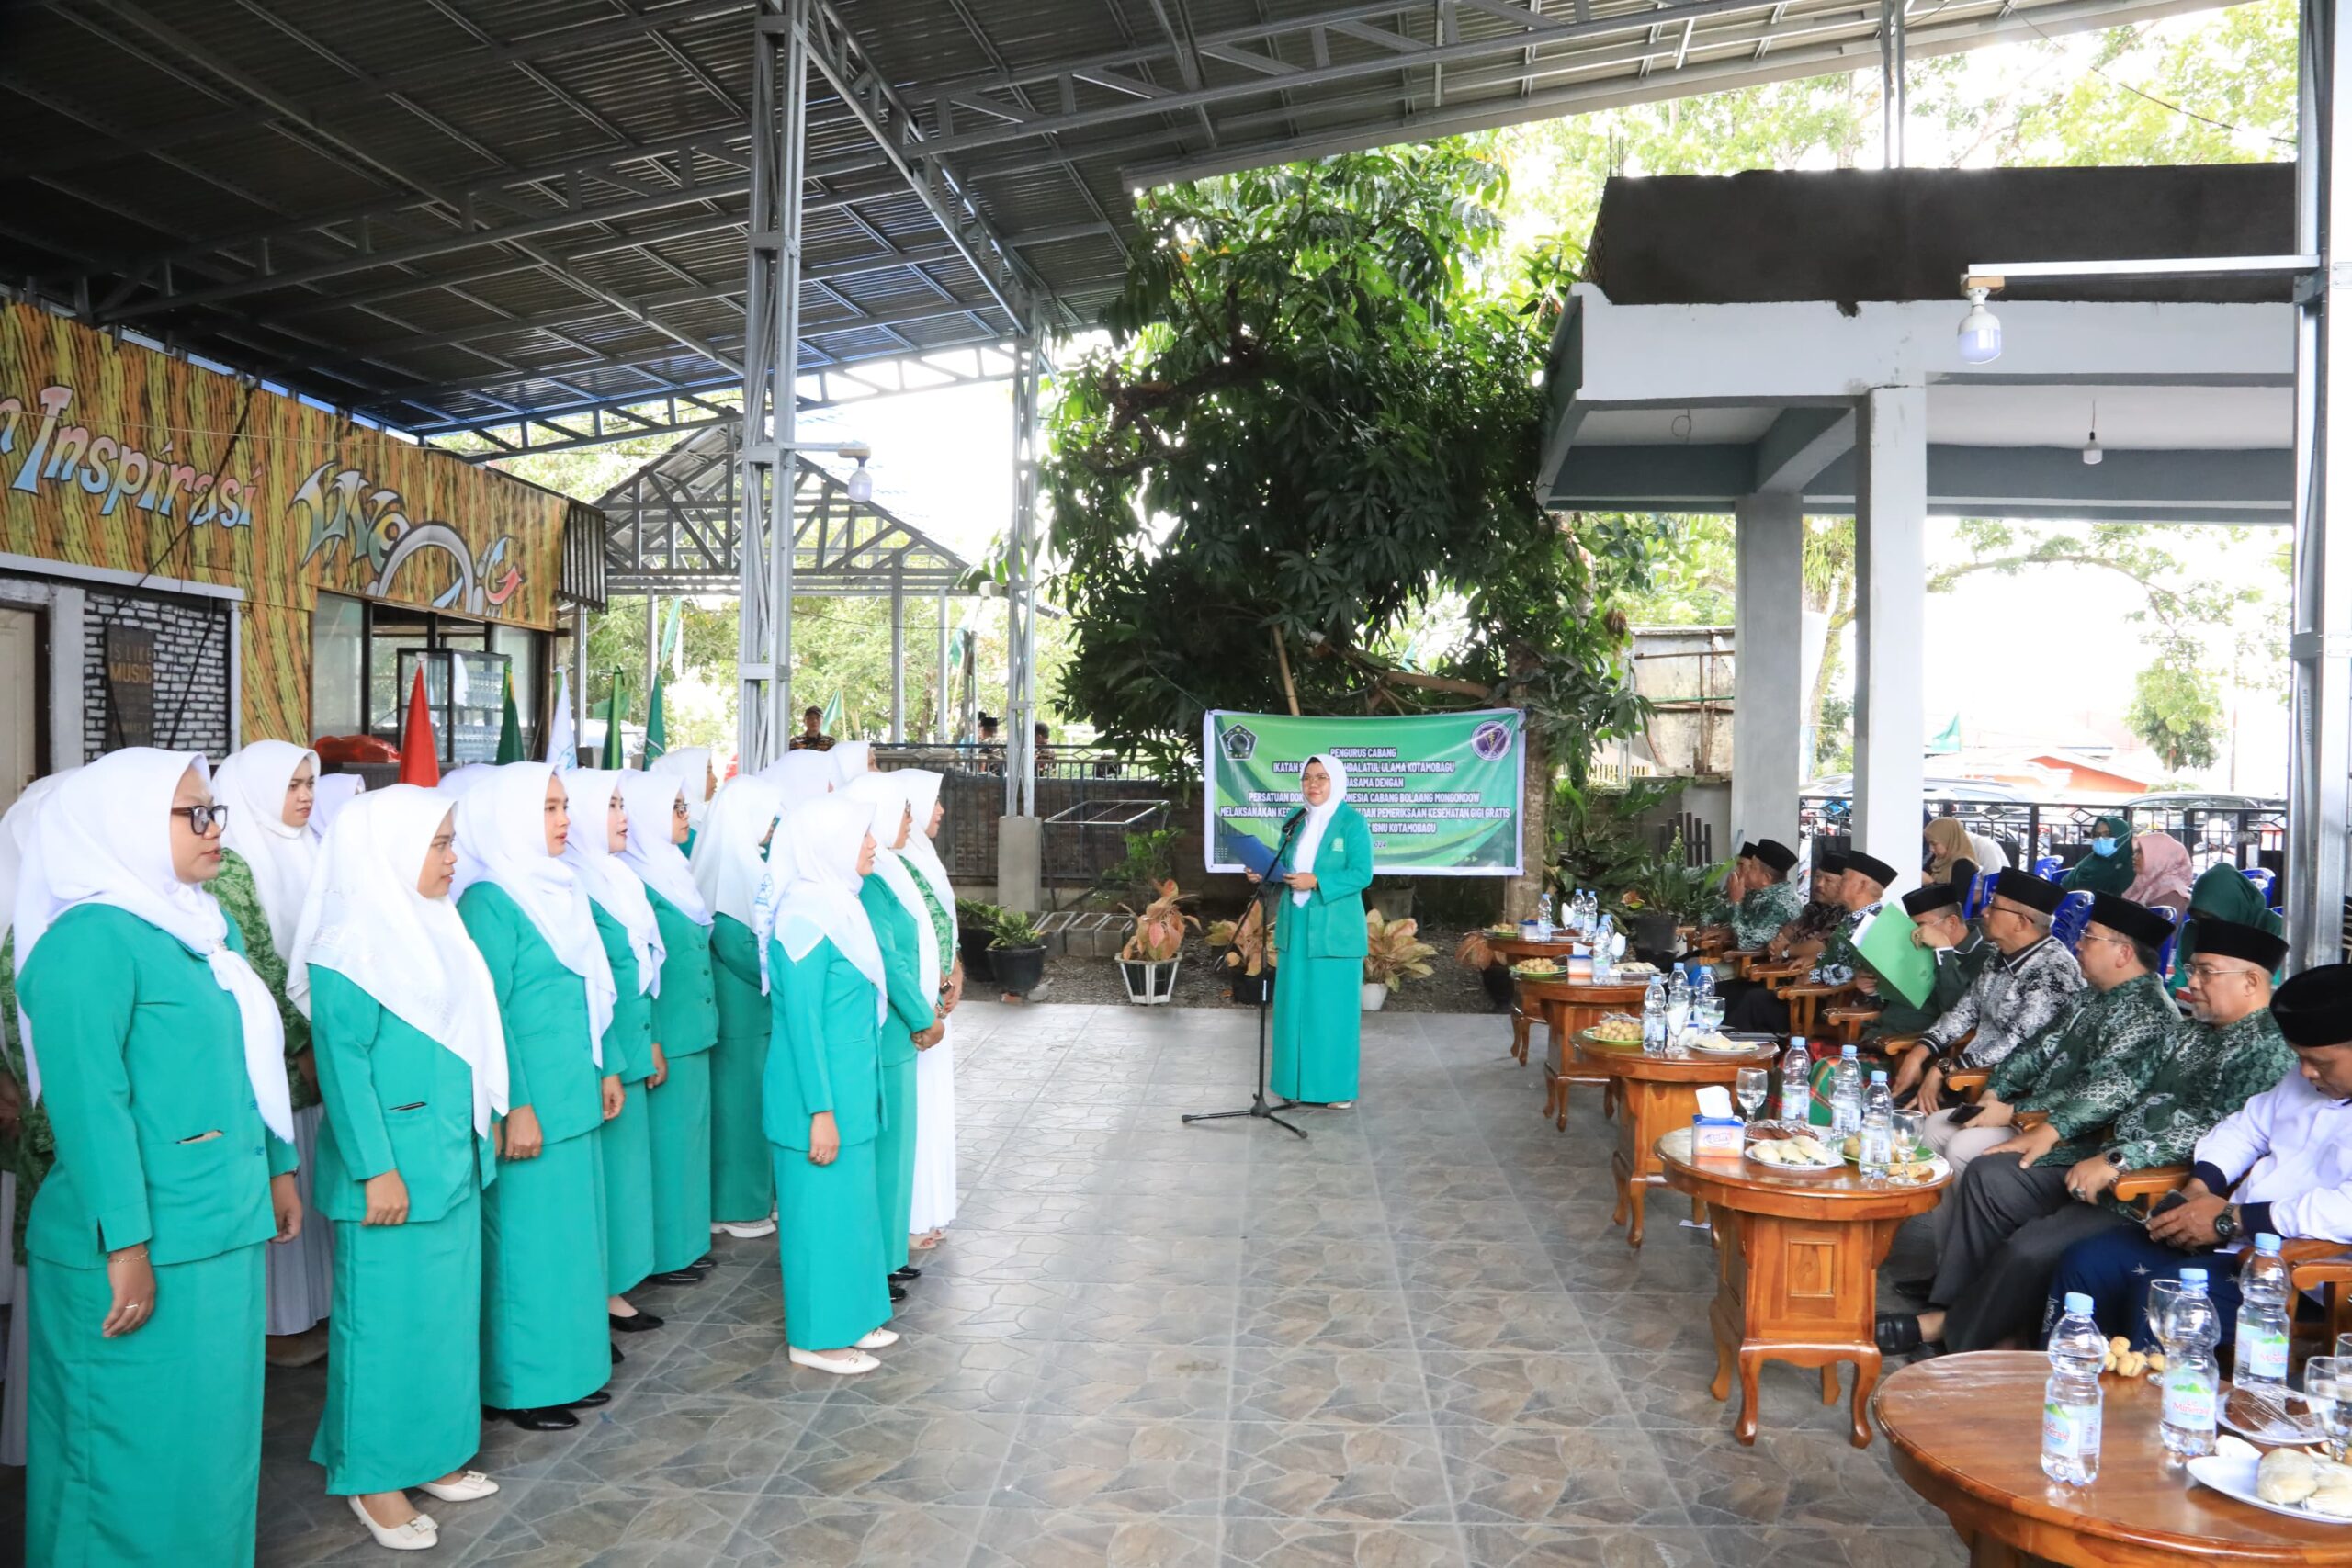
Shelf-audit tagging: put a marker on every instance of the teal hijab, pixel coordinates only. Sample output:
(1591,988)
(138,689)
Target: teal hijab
(2105,874)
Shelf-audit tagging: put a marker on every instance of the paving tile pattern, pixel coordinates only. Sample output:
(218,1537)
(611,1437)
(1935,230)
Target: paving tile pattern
(1414,1341)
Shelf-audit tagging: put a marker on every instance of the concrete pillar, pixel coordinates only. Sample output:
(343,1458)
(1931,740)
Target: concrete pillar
(1020,863)
(1890,605)
(1767,728)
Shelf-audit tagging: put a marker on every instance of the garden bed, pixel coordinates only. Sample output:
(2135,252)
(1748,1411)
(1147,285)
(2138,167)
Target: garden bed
(1201,983)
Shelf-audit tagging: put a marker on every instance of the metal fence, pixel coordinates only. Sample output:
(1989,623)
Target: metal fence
(2243,836)
(1089,802)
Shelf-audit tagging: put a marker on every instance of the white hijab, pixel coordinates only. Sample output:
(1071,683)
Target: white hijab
(691,765)
(887,796)
(108,840)
(502,839)
(851,758)
(365,920)
(1310,832)
(647,797)
(335,791)
(800,776)
(821,900)
(922,788)
(252,784)
(727,860)
(612,885)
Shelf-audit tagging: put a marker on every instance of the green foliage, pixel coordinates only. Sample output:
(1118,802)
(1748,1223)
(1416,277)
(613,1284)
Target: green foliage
(1150,860)
(1596,837)
(1010,928)
(1664,883)
(2176,709)
(971,914)
(1318,414)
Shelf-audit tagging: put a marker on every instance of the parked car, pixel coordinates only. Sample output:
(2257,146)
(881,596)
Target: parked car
(2199,800)
(1932,788)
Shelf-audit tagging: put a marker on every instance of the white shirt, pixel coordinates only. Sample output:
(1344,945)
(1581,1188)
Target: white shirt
(2291,1147)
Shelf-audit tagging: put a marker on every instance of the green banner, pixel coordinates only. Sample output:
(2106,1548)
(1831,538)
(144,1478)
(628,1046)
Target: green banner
(1440,792)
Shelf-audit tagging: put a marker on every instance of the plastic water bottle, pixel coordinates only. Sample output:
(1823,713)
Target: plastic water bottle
(2071,1401)
(1877,1151)
(1677,1006)
(1796,1083)
(1703,985)
(1846,1093)
(1604,937)
(2193,1380)
(2263,1293)
(1654,1038)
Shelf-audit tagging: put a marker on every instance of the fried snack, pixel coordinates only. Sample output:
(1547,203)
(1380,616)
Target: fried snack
(2286,1475)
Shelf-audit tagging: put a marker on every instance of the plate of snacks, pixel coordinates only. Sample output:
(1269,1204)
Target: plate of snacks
(1537,969)
(2269,1418)
(1721,1045)
(1615,1030)
(1798,1152)
(2284,1480)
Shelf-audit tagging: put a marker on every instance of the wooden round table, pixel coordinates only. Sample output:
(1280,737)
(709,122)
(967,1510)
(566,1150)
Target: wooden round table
(1518,950)
(1655,1096)
(1966,1434)
(1797,1277)
(1566,1008)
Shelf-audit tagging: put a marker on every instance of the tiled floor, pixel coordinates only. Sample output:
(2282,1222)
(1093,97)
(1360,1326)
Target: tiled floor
(1414,1339)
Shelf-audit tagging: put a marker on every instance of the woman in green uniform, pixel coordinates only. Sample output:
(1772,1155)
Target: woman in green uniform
(161,1061)
(26,1146)
(685,1025)
(1318,932)
(632,942)
(2109,867)
(412,1065)
(730,858)
(910,960)
(267,856)
(544,1351)
(823,1101)
(689,767)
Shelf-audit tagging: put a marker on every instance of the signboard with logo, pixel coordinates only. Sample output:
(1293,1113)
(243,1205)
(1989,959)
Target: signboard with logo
(1440,792)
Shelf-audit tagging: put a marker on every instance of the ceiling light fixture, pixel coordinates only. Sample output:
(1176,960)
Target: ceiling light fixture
(2093,454)
(1980,330)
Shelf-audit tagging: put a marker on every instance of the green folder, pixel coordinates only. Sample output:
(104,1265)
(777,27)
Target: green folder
(1884,942)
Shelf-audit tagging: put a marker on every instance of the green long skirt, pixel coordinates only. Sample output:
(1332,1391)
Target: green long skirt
(628,1148)
(742,1188)
(403,1352)
(678,1127)
(146,1449)
(544,1335)
(829,1244)
(1317,1029)
(894,1162)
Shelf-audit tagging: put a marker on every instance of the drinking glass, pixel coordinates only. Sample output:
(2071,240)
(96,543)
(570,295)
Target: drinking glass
(2327,1387)
(1911,1134)
(1753,1082)
(1707,1016)
(2162,1295)
(2344,1347)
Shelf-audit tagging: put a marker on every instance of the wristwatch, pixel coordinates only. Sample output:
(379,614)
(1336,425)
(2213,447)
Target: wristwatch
(2226,1224)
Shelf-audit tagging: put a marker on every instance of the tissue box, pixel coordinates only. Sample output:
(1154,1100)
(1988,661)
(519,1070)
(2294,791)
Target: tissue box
(1712,1135)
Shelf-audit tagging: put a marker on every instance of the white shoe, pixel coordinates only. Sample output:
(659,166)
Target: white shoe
(416,1535)
(880,1339)
(752,1232)
(847,1366)
(471,1484)
(1341,1105)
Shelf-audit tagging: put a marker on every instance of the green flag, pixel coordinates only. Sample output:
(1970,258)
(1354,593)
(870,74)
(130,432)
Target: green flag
(657,735)
(510,727)
(832,716)
(614,755)
(1947,742)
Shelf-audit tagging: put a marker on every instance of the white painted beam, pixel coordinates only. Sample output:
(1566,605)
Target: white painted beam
(1767,714)
(1890,597)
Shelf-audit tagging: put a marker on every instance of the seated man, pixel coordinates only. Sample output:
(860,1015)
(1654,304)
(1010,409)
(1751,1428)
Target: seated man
(1856,891)
(2283,1163)
(1762,897)
(2016,1211)
(2020,993)
(1714,920)
(1961,952)
(2124,1013)
(1802,937)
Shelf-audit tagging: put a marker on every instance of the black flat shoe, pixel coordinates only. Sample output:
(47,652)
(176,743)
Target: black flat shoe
(904,1273)
(548,1420)
(589,1401)
(643,1323)
(617,1357)
(705,1263)
(898,1293)
(1897,1333)
(677,1277)
(1918,1290)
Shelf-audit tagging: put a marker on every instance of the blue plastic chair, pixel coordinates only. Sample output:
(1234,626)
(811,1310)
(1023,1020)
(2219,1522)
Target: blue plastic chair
(2074,914)
(2049,868)
(2163,954)
(2264,878)
(1979,894)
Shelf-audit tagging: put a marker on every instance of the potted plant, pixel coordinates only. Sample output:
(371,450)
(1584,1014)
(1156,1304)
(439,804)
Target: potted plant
(975,929)
(1393,953)
(1474,952)
(1393,897)
(1154,947)
(1248,953)
(1017,952)
(1664,894)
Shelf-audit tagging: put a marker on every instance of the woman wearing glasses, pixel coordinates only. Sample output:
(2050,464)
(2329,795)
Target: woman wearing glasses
(685,1024)
(413,1067)
(159,1057)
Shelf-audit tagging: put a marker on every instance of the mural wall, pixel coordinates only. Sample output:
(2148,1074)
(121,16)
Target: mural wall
(116,456)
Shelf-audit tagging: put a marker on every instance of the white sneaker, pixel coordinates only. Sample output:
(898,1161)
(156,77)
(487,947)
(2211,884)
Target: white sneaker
(846,1366)
(880,1339)
(750,1232)
(471,1484)
(416,1535)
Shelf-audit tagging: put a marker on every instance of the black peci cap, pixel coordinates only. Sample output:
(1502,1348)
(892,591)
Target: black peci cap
(2024,888)
(2314,1007)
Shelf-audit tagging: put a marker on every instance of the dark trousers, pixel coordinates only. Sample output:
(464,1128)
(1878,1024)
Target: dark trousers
(2115,1271)
(1758,1011)
(2009,1229)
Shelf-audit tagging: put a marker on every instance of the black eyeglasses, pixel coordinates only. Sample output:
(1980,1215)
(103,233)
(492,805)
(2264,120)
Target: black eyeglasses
(203,819)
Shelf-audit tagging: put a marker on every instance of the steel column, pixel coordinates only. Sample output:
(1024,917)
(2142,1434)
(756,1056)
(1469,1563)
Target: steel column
(579,685)
(939,730)
(652,645)
(1893,97)
(2319,803)
(899,652)
(1020,592)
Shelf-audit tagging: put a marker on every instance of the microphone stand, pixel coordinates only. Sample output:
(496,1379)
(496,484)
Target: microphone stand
(1269,891)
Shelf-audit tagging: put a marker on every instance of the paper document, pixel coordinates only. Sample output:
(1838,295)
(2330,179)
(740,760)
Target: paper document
(1884,942)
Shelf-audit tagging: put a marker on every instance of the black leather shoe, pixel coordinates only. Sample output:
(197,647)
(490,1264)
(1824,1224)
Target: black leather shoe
(677,1277)
(904,1273)
(1897,1333)
(617,1357)
(589,1401)
(705,1263)
(898,1293)
(550,1420)
(643,1323)
(1918,1289)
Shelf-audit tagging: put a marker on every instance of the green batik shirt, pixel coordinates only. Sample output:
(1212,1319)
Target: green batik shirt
(234,888)
(943,924)
(2082,1069)
(1957,967)
(2208,1074)
(32,1148)
(1763,912)
(1841,960)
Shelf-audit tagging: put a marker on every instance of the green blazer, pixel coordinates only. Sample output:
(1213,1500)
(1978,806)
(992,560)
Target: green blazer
(142,1059)
(735,979)
(544,1010)
(894,933)
(1331,924)
(396,1101)
(823,1048)
(629,1038)
(685,1013)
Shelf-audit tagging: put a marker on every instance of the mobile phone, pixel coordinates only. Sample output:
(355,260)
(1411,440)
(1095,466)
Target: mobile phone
(1963,1115)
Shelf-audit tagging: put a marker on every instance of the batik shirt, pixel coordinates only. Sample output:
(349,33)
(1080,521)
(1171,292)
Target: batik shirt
(2195,1076)
(2075,1071)
(2017,995)
(1841,959)
(242,903)
(1957,967)
(1763,912)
